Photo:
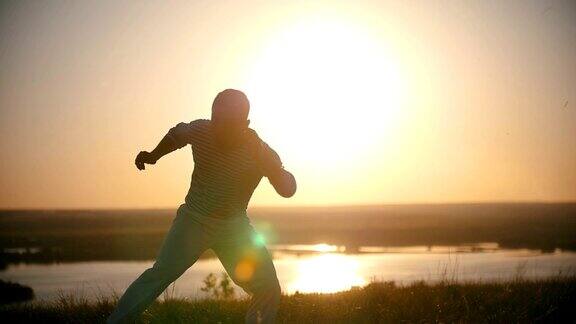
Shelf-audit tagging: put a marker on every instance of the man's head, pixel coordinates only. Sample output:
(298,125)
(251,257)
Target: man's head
(230,115)
(231,104)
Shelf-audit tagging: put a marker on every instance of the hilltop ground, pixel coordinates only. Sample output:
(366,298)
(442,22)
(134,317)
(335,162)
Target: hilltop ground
(550,300)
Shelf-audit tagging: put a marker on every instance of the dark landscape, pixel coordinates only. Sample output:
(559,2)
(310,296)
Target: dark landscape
(517,301)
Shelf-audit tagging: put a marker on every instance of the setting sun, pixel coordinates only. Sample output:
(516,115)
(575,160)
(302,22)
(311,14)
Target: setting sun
(330,84)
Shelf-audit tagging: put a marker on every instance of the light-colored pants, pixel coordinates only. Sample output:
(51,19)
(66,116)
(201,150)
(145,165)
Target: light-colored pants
(235,243)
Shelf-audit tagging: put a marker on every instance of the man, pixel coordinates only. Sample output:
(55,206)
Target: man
(229,162)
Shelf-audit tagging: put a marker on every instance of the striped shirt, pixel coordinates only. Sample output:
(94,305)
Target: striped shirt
(223,180)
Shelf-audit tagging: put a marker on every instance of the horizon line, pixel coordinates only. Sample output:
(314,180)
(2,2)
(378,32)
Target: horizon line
(282,206)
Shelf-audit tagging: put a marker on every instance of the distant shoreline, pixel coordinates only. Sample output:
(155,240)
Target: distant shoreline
(305,206)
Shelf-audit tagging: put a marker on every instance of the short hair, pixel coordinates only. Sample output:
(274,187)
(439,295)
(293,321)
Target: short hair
(232,104)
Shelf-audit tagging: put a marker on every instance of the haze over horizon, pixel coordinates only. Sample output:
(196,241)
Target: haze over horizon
(366,102)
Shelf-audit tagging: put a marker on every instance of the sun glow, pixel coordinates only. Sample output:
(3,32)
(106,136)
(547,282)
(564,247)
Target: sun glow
(327,272)
(331,85)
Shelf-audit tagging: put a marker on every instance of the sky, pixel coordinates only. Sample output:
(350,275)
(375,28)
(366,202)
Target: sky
(366,102)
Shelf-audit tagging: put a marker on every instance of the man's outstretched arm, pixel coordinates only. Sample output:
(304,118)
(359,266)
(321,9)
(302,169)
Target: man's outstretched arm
(176,138)
(165,146)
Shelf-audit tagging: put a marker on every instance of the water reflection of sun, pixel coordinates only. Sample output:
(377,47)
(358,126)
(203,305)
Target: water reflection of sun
(326,273)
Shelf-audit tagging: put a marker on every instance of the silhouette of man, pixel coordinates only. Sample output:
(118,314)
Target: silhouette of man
(229,162)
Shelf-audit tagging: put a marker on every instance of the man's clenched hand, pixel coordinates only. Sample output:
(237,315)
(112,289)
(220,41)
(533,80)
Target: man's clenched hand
(144,158)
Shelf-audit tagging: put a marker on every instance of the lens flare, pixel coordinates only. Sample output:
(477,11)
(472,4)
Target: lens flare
(259,240)
(244,270)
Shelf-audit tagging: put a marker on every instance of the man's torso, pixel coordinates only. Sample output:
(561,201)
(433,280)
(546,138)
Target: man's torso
(223,180)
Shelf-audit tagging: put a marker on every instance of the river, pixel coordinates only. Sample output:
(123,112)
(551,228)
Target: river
(308,268)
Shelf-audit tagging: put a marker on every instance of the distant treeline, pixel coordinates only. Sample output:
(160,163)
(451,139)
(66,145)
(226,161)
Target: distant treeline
(83,235)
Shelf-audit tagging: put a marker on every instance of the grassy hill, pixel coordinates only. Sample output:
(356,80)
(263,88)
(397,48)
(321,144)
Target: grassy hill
(550,300)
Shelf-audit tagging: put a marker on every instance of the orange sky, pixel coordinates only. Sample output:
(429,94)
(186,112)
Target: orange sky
(366,102)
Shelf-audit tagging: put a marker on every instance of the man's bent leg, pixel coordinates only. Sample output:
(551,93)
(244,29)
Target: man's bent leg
(250,266)
(183,245)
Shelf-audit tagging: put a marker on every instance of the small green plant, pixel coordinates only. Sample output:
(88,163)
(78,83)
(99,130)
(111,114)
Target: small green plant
(520,271)
(218,289)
